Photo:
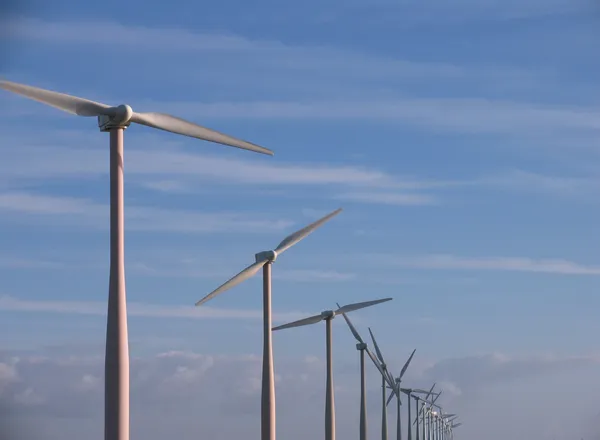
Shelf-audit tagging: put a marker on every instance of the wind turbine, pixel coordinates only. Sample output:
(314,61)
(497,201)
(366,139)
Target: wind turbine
(423,402)
(409,392)
(386,379)
(396,391)
(327,316)
(115,120)
(264,260)
(361,346)
(427,413)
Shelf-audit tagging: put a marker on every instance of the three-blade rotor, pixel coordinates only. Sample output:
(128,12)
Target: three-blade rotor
(263,258)
(329,314)
(383,367)
(360,340)
(124,115)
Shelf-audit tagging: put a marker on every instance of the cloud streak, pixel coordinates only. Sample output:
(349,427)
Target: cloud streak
(86,213)
(12,304)
(514,264)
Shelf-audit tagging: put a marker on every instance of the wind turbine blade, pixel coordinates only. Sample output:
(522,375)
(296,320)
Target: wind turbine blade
(248,272)
(357,306)
(377,350)
(294,238)
(407,364)
(61,101)
(420,391)
(352,329)
(390,398)
(376,362)
(301,322)
(391,379)
(177,125)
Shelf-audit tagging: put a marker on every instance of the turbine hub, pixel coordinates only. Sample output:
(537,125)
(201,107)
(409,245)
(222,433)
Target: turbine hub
(328,314)
(120,118)
(270,256)
(123,114)
(361,346)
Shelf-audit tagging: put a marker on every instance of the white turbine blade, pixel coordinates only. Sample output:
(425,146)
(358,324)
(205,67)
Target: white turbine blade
(352,329)
(417,390)
(391,378)
(177,125)
(357,306)
(294,238)
(377,364)
(248,272)
(301,322)
(377,350)
(61,101)
(390,398)
(407,364)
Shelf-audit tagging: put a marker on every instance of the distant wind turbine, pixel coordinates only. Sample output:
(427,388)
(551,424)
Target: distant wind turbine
(423,402)
(361,346)
(115,120)
(409,392)
(386,379)
(327,316)
(264,260)
(397,392)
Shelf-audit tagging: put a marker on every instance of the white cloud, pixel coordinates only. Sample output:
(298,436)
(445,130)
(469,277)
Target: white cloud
(388,198)
(12,304)
(188,394)
(307,276)
(520,264)
(579,187)
(85,213)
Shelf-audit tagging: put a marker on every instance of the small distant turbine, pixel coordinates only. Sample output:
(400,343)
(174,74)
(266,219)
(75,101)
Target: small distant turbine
(327,316)
(388,379)
(264,261)
(361,346)
(423,402)
(409,392)
(115,120)
(396,391)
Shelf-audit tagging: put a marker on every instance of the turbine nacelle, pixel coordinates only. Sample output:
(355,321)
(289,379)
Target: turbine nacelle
(361,346)
(328,314)
(115,117)
(269,256)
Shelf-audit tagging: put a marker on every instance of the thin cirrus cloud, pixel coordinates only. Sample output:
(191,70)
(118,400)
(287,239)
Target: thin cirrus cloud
(451,114)
(86,213)
(216,271)
(178,171)
(12,304)
(518,264)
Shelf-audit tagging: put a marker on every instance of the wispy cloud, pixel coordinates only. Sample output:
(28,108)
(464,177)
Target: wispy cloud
(293,70)
(12,304)
(307,276)
(465,115)
(178,171)
(519,264)
(579,187)
(11,262)
(405,13)
(387,198)
(86,213)
(198,269)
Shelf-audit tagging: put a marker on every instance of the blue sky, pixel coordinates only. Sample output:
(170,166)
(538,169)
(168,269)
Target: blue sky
(459,137)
